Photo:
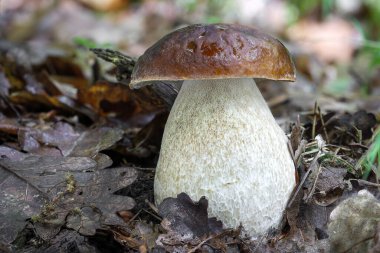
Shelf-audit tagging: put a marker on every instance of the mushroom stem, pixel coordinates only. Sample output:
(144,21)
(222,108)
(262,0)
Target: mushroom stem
(221,141)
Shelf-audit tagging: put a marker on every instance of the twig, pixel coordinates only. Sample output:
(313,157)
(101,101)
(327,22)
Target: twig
(155,216)
(358,243)
(304,178)
(314,184)
(201,244)
(134,217)
(145,169)
(13,108)
(113,56)
(323,124)
(152,206)
(260,242)
(314,120)
(364,182)
(358,145)
(290,149)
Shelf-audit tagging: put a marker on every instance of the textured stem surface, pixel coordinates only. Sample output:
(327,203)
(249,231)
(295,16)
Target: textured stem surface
(221,141)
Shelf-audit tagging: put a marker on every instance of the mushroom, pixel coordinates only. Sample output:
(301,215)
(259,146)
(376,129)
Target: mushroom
(221,139)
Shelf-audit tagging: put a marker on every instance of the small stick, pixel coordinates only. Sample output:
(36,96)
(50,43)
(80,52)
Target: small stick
(153,207)
(364,182)
(314,120)
(291,152)
(201,244)
(323,124)
(134,217)
(314,185)
(145,169)
(155,216)
(304,179)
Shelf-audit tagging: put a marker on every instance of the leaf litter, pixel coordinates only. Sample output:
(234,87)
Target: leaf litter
(59,159)
(78,151)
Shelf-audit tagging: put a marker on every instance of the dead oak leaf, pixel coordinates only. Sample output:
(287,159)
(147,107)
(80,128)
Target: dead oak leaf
(186,221)
(94,140)
(67,184)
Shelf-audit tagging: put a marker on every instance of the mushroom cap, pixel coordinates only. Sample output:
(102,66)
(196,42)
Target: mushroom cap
(215,51)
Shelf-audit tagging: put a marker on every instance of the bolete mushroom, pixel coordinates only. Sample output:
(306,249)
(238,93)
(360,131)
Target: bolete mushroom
(221,139)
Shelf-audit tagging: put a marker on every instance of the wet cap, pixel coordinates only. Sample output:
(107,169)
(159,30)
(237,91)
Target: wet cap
(215,51)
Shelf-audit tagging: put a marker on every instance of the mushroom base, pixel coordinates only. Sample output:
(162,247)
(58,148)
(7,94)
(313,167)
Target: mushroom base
(221,141)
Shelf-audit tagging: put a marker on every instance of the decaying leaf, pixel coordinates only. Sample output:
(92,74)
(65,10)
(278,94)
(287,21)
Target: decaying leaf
(186,221)
(60,105)
(85,220)
(105,98)
(187,218)
(70,186)
(329,186)
(60,135)
(92,141)
(140,236)
(69,241)
(18,202)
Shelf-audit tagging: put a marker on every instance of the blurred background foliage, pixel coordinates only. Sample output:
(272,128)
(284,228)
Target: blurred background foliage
(53,88)
(335,43)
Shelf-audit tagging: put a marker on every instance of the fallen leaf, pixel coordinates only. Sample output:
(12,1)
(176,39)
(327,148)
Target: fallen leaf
(19,200)
(68,184)
(114,100)
(69,241)
(60,135)
(185,217)
(94,140)
(84,220)
(331,178)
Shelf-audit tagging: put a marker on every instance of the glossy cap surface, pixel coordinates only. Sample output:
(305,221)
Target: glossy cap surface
(215,51)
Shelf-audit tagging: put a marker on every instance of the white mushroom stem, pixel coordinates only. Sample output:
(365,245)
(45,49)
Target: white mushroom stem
(221,141)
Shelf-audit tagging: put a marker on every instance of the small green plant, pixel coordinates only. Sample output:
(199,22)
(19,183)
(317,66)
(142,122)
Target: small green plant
(368,55)
(327,7)
(89,43)
(370,161)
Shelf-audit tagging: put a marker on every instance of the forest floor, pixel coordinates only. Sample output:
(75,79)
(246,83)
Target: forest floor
(78,147)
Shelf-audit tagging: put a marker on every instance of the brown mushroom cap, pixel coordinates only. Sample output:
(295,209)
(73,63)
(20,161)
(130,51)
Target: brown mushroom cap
(214,51)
